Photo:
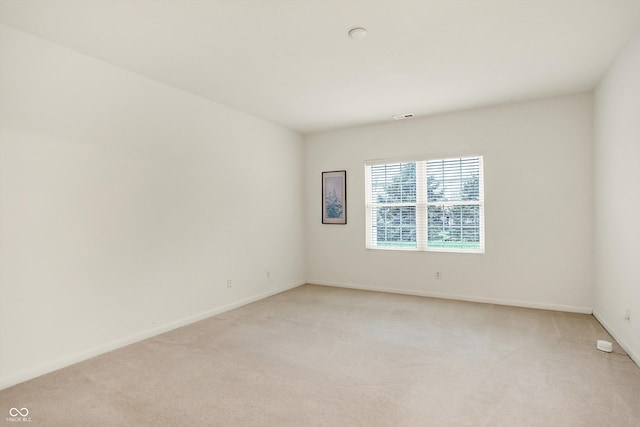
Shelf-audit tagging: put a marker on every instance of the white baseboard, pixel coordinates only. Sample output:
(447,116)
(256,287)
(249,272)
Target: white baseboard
(113,345)
(635,357)
(498,301)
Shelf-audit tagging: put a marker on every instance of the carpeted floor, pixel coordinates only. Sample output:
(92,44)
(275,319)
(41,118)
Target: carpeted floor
(337,357)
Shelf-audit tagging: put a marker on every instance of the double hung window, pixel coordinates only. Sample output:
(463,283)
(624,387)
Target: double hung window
(425,205)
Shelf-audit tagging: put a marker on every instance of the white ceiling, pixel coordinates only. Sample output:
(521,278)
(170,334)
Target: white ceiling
(291,62)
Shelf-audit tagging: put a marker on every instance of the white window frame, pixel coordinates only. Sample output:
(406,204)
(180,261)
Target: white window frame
(421,206)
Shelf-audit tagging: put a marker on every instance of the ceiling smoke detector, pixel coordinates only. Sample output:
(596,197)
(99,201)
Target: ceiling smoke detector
(403,116)
(358,33)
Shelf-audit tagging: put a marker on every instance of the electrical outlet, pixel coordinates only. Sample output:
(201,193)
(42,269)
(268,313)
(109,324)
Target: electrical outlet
(627,315)
(229,283)
(438,275)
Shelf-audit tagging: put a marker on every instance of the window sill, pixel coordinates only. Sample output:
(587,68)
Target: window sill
(428,250)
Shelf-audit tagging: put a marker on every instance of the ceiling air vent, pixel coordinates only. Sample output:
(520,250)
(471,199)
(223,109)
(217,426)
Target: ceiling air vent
(403,116)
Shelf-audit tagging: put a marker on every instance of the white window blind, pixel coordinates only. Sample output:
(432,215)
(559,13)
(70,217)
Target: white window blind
(435,205)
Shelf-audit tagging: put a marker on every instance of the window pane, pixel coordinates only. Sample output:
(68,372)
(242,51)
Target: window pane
(453,179)
(456,226)
(394,183)
(396,226)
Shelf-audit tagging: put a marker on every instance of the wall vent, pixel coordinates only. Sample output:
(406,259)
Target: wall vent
(403,116)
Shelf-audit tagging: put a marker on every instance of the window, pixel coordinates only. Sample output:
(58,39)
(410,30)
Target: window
(427,205)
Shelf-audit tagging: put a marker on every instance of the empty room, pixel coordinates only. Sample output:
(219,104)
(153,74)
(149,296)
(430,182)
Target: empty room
(320,212)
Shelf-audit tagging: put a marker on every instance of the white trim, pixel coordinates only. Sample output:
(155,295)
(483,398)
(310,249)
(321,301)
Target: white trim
(497,301)
(416,249)
(441,155)
(421,206)
(399,204)
(483,231)
(116,344)
(635,357)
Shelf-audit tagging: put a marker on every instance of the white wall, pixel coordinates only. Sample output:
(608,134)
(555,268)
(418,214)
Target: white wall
(617,199)
(126,204)
(537,158)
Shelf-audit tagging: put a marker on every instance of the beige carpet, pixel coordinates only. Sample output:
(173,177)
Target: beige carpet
(337,357)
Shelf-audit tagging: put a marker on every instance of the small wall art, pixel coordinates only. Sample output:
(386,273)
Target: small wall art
(334,197)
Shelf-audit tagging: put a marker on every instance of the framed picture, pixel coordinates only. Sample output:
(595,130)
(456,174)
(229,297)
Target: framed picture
(334,197)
